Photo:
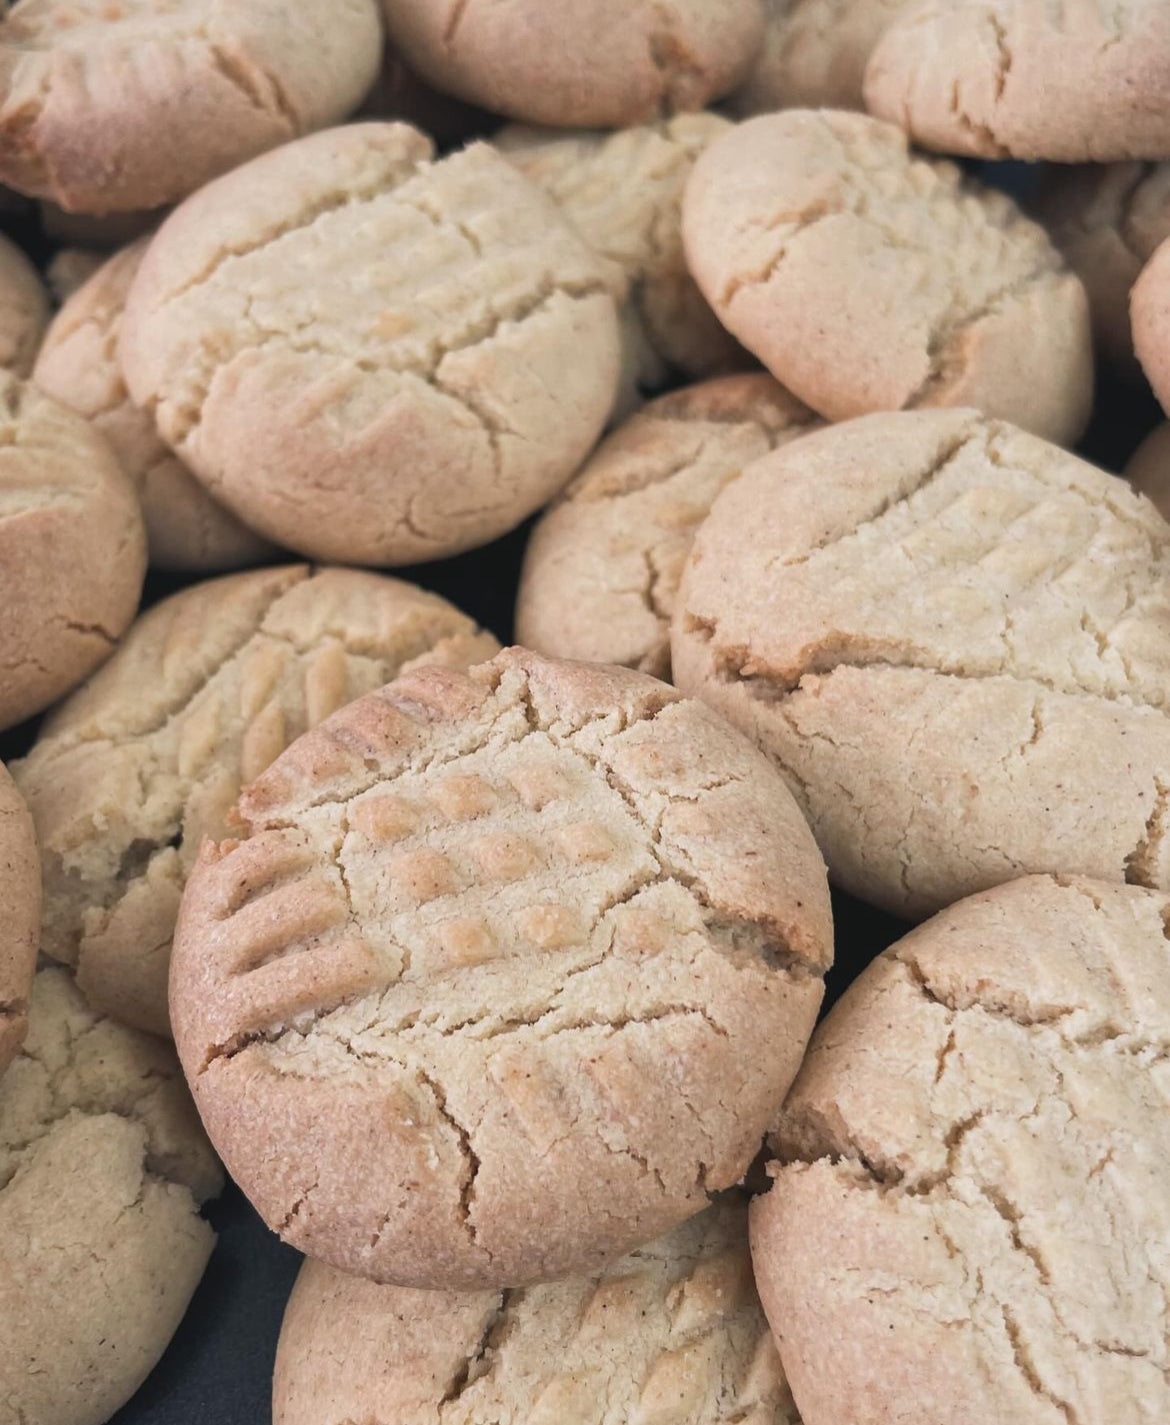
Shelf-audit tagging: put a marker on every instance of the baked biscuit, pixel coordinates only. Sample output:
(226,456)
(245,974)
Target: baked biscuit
(1150,313)
(24,310)
(20,895)
(1148,470)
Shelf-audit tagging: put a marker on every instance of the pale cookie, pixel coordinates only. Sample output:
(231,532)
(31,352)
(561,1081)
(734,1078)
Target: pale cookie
(78,365)
(24,310)
(955,640)
(971,1212)
(580,63)
(1148,470)
(1081,81)
(369,356)
(144,761)
(602,566)
(103,1167)
(1150,313)
(72,550)
(672,1334)
(20,896)
(108,106)
(867,279)
(505,974)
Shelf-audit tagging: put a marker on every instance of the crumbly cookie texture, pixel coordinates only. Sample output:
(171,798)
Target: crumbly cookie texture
(953,637)
(78,365)
(1086,82)
(141,764)
(1148,470)
(602,568)
(103,1166)
(504,975)
(867,279)
(110,107)
(971,1200)
(351,345)
(24,310)
(72,550)
(672,1332)
(1150,314)
(20,895)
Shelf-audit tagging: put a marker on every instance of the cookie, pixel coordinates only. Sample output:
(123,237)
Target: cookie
(350,345)
(580,63)
(955,640)
(868,279)
(672,1332)
(24,310)
(70,268)
(503,975)
(399,93)
(78,365)
(103,1167)
(1087,83)
(1148,470)
(970,1211)
(111,107)
(1150,314)
(72,550)
(602,567)
(20,895)
(131,773)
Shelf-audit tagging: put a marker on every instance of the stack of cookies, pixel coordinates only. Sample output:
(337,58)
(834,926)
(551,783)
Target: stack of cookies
(712,356)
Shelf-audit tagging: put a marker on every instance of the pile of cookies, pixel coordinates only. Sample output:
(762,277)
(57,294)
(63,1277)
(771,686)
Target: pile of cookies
(491,976)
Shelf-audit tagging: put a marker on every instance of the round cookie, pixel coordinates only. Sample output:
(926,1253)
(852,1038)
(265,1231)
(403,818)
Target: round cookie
(20,895)
(111,107)
(955,640)
(1148,470)
(131,773)
(602,567)
(24,310)
(103,1167)
(72,550)
(78,365)
(1150,313)
(350,345)
(580,63)
(672,1332)
(503,975)
(868,279)
(972,1201)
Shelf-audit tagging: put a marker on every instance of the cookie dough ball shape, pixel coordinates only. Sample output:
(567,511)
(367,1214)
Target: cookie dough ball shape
(504,974)
(103,1167)
(1150,313)
(1148,470)
(972,1188)
(20,895)
(112,107)
(955,640)
(24,310)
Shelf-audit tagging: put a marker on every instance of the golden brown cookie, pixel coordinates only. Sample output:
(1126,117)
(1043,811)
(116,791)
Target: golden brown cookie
(24,310)
(20,895)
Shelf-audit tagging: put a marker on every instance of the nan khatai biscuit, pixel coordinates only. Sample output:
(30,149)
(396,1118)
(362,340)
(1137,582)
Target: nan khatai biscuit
(1085,83)
(78,365)
(972,1196)
(131,773)
(955,640)
(105,107)
(103,1167)
(672,1332)
(24,310)
(868,279)
(20,895)
(1150,314)
(504,973)
(351,345)
(72,550)
(580,63)
(1148,470)
(602,567)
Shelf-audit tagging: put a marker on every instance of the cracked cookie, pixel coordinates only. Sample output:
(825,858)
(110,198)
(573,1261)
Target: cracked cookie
(602,566)
(672,1333)
(505,973)
(106,107)
(867,279)
(1150,313)
(372,357)
(20,895)
(24,310)
(131,773)
(971,1208)
(103,1167)
(954,638)
(1148,470)
(72,550)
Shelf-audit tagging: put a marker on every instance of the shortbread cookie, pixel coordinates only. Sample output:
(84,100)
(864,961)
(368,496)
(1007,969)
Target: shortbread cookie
(20,895)
(672,1332)
(602,567)
(132,772)
(955,640)
(105,107)
(372,357)
(1081,82)
(972,1201)
(78,366)
(867,279)
(103,1167)
(1148,470)
(72,550)
(505,973)
(24,310)
(1150,313)
(586,63)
